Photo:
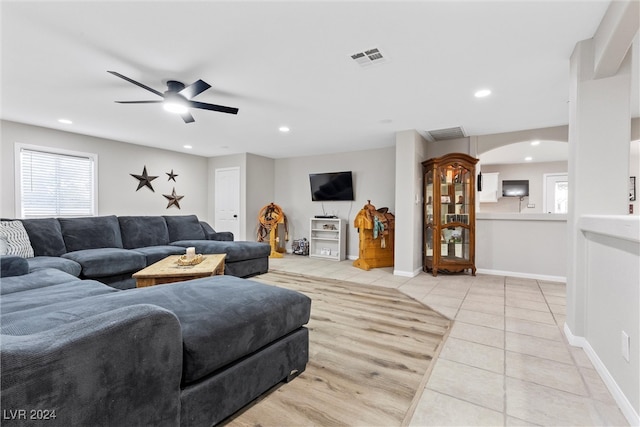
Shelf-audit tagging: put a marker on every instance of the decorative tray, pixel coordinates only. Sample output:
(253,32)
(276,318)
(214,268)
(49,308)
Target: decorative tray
(196,260)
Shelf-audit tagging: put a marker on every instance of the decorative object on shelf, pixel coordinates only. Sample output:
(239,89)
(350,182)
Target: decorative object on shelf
(376,234)
(449,219)
(185,261)
(144,180)
(273,222)
(300,246)
(172,176)
(174,199)
(632,189)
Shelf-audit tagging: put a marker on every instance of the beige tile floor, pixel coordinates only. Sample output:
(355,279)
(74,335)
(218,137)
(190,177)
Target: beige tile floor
(506,361)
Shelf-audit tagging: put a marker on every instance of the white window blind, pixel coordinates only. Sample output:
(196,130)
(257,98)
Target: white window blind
(56,184)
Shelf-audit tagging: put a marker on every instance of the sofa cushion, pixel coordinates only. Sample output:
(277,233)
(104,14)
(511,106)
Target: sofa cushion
(34,280)
(236,251)
(107,261)
(223,318)
(15,240)
(45,235)
(184,227)
(63,264)
(157,253)
(13,265)
(41,297)
(91,232)
(143,231)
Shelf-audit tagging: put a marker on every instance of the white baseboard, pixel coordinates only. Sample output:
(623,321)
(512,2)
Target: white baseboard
(401,273)
(544,277)
(625,406)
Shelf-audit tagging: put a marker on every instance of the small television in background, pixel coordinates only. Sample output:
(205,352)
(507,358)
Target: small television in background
(331,186)
(515,188)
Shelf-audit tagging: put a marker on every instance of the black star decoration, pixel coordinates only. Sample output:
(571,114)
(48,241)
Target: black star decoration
(144,179)
(174,199)
(172,176)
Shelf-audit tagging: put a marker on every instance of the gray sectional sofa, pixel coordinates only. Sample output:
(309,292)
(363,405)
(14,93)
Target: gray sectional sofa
(110,249)
(81,353)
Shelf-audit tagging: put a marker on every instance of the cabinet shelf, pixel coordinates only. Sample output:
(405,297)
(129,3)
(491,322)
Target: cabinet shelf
(327,238)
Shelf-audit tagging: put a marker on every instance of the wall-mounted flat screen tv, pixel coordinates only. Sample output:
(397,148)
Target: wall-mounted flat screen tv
(515,188)
(331,186)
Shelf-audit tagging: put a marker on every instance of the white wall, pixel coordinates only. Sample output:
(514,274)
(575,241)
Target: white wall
(373,179)
(613,304)
(522,245)
(534,172)
(260,189)
(599,304)
(411,151)
(117,193)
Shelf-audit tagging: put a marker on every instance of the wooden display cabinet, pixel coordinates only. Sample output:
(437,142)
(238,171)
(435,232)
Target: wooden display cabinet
(449,214)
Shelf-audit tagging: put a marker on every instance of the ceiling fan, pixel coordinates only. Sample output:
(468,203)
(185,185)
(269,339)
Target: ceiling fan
(178,97)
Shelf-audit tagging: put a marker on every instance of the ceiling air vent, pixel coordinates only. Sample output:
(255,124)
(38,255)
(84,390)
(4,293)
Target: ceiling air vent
(369,57)
(444,134)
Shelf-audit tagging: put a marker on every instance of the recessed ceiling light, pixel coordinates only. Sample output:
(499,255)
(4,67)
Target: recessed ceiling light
(188,147)
(65,121)
(536,142)
(482,93)
(528,159)
(284,129)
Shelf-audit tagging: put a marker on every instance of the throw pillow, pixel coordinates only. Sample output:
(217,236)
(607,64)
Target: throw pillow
(3,246)
(13,234)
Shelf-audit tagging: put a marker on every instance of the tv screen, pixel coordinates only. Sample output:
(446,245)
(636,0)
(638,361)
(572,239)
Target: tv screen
(515,188)
(332,186)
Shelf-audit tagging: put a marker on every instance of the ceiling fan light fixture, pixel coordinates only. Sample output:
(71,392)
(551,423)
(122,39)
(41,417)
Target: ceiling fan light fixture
(174,104)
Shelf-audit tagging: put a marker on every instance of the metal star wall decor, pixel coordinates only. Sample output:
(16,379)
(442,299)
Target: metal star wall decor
(144,179)
(172,176)
(174,199)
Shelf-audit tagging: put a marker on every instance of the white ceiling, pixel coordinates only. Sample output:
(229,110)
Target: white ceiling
(527,152)
(288,63)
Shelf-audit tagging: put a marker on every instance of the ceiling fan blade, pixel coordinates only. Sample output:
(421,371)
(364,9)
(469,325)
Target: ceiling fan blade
(187,117)
(213,107)
(194,89)
(136,83)
(139,102)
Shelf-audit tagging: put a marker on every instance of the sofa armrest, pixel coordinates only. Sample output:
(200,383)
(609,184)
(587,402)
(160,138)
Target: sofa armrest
(13,265)
(212,234)
(122,367)
(226,236)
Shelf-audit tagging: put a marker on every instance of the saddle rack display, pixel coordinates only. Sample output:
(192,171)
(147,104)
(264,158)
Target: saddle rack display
(376,236)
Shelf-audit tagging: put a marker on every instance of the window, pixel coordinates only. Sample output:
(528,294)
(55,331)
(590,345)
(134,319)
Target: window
(556,193)
(55,183)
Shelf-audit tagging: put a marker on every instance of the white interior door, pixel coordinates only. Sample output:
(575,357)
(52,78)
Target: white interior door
(227,200)
(556,193)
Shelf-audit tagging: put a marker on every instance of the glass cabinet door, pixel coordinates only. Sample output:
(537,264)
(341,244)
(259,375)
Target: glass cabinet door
(428,214)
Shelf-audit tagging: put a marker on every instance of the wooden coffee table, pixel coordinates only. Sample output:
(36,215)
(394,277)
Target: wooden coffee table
(168,270)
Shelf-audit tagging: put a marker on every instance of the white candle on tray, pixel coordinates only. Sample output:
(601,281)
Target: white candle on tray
(191,253)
